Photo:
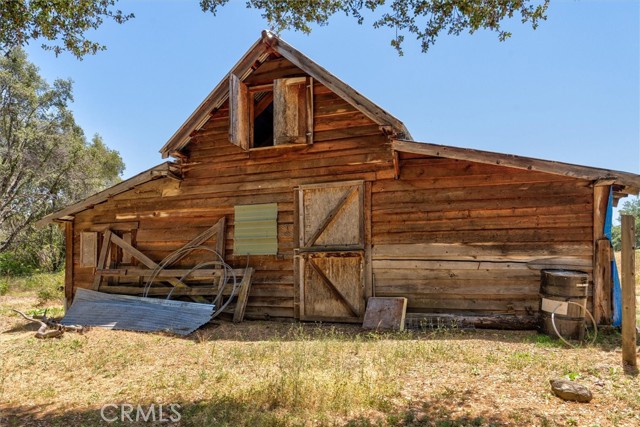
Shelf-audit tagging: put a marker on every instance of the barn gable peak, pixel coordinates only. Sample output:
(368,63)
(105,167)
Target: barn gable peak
(270,47)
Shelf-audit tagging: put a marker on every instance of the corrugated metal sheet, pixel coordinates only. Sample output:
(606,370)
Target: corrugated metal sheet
(256,229)
(131,313)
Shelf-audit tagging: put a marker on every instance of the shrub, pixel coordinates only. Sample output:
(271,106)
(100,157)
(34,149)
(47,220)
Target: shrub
(12,264)
(48,286)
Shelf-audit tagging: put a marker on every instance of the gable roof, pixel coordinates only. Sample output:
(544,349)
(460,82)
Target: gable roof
(163,170)
(268,44)
(630,181)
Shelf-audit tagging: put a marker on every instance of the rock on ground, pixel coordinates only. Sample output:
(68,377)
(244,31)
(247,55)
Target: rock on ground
(570,390)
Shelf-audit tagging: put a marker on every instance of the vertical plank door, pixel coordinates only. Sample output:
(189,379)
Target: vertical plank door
(331,247)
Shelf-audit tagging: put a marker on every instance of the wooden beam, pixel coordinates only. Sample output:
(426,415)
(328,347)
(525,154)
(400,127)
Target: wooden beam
(297,280)
(243,296)
(177,255)
(218,230)
(102,260)
(196,291)
(262,105)
(193,291)
(261,88)
(368,238)
(142,258)
(517,162)
(221,236)
(480,321)
(629,333)
(602,282)
(309,105)
(601,256)
(396,165)
(68,263)
(600,203)
(115,226)
(141,272)
(604,182)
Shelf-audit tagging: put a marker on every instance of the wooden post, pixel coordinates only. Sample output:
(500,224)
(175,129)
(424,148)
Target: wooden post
(602,283)
(296,255)
(68,264)
(629,358)
(601,256)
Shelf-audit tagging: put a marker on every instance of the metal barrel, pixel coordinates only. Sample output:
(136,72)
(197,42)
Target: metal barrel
(557,289)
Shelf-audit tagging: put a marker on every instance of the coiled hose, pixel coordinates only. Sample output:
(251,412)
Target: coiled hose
(227,273)
(593,321)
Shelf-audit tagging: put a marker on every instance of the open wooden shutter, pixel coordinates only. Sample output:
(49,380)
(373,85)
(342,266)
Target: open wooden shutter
(293,111)
(88,248)
(239,123)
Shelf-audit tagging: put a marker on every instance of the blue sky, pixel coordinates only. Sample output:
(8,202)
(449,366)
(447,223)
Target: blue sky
(568,91)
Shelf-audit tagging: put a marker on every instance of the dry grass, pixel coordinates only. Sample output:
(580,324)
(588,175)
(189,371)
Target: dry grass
(282,374)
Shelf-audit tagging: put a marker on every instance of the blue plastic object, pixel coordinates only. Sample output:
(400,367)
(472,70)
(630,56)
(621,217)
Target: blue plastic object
(617,289)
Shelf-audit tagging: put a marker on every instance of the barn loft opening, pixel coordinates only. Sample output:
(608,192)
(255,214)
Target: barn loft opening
(262,127)
(271,114)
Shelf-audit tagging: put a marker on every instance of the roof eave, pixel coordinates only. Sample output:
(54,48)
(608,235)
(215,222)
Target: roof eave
(629,180)
(164,170)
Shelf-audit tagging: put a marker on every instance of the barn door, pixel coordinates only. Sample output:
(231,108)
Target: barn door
(331,251)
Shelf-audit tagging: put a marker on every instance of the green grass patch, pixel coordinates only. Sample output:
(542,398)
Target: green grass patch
(45,286)
(49,311)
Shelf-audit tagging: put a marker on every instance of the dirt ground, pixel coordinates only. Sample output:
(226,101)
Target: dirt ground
(292,374)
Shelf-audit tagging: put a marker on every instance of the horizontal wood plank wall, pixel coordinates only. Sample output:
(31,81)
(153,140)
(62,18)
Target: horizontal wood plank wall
(460,237)
(219,175)
(451,236)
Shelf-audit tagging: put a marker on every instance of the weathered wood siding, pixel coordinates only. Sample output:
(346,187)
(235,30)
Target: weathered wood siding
(451,236)
(455,236)
(219,175)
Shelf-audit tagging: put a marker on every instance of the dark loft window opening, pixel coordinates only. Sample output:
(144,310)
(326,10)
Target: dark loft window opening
(263,119)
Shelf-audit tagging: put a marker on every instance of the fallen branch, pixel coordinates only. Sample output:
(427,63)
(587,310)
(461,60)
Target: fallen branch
(50,328)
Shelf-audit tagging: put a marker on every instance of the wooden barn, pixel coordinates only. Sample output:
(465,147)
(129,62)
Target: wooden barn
(287,170)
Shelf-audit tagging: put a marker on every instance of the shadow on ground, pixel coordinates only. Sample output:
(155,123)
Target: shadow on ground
(229,412)
(253,331)
(273,330)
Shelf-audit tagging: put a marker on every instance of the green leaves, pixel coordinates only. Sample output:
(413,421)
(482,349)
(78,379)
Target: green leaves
(629,207)
(425,19)
(61,23)
(45,159)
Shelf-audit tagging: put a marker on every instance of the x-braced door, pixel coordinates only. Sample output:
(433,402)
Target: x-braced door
(331,251)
